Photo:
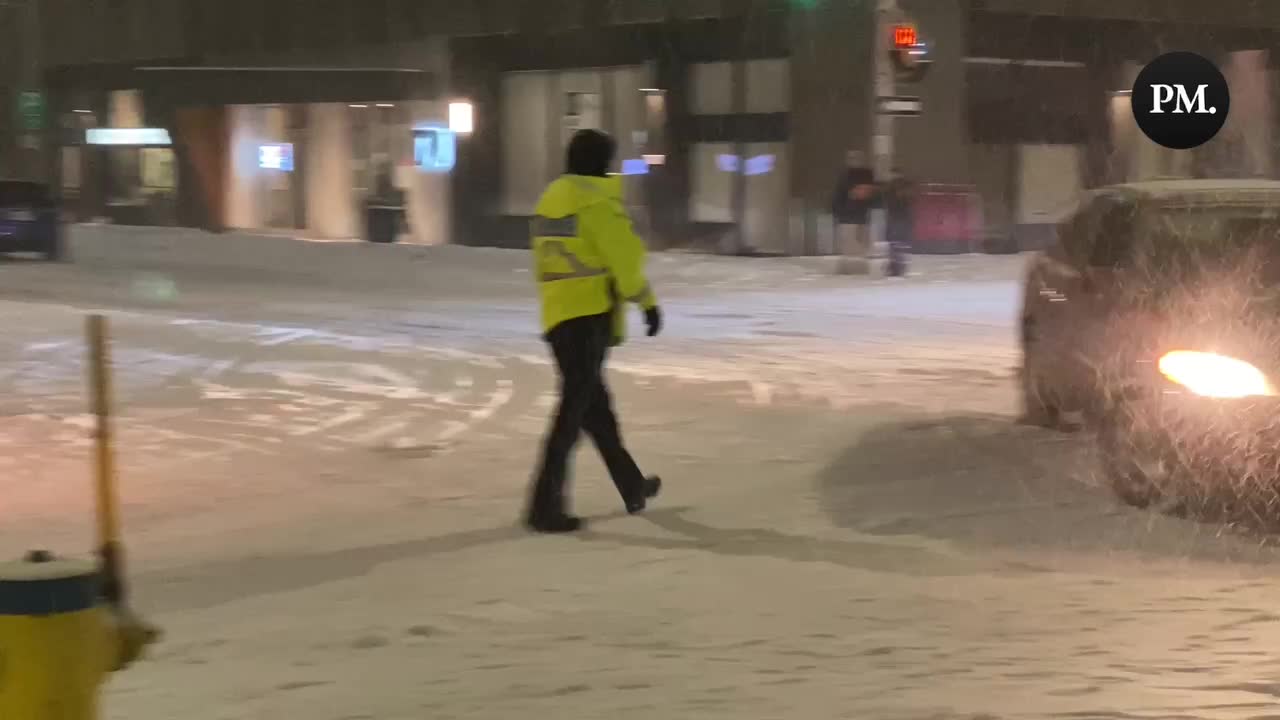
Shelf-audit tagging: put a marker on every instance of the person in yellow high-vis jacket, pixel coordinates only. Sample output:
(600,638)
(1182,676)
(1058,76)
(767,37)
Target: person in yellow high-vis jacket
(589,265)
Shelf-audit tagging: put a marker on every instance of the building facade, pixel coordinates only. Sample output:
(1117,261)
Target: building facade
(732,116)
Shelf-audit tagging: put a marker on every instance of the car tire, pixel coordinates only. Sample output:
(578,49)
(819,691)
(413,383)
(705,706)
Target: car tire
(1040,405)
(1122,465)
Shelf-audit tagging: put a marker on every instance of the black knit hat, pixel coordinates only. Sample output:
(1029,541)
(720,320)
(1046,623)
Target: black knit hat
(590,153)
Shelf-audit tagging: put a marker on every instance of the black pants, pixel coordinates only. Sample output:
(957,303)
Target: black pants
(580,347)
(899,253)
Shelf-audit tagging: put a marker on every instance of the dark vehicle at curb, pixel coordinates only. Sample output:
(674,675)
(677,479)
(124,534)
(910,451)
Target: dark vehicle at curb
(30,220)
(1155,318)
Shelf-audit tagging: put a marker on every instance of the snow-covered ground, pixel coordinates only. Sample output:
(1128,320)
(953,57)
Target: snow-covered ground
(323,463)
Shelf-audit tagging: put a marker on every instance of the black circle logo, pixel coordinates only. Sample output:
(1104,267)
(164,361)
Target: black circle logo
(1180,100)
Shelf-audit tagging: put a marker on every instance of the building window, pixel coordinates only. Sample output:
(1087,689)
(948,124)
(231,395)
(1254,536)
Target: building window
(711,88)
(157,170)
(768,85)
(712,167)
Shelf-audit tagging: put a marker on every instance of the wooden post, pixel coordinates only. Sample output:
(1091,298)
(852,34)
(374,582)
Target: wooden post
(109,547)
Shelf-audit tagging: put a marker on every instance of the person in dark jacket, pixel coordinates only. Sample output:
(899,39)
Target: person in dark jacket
(899,205)
(851,203)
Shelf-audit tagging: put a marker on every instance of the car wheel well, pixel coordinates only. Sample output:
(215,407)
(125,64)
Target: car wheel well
(1027,329)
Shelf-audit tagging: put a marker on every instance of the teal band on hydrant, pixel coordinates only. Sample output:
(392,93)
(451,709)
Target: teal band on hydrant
(44,586)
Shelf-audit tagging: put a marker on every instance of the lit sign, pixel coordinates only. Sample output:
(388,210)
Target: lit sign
(435,149)
(276,157)
(461,117)
(635,166)
(127,136)
(905,36)
(759,165)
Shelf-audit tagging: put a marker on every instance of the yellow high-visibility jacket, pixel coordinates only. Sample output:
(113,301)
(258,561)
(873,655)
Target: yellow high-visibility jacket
(587,258)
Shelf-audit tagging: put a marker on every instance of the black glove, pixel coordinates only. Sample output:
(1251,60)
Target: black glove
(653,318)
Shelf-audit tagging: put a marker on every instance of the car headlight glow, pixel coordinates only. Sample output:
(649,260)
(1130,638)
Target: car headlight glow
(1215,376)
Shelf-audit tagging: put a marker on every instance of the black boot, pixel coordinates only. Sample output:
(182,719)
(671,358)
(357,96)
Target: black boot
(557,523)
(652,486)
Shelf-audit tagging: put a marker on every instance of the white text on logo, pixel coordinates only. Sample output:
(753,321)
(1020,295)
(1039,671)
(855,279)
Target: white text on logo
(1183,101)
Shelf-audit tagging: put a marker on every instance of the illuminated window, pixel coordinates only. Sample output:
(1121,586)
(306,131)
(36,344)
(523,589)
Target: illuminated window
(157,169)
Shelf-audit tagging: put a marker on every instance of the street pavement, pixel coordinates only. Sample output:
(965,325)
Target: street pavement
(322,466)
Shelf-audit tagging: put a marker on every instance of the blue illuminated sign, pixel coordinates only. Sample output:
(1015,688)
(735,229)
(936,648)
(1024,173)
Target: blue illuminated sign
(635,166)
(728,163)
(435,149)
(759,165)
(276,157)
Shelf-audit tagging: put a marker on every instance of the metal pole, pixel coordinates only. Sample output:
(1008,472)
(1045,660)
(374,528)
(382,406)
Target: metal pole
(882,145)
(862,254)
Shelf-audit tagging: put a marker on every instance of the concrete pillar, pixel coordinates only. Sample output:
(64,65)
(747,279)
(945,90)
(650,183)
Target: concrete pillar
(427,201)
(1143,158)
(737,241)
(244,182)
(831,94)
(1124,137)
(125,110)
(1103,102)
(667,186)
(1251,117)
(330,201)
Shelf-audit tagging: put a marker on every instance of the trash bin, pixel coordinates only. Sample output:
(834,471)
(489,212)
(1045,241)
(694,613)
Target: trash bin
(382,223)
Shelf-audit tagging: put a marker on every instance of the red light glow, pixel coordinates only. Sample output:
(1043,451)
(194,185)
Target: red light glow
(905,36)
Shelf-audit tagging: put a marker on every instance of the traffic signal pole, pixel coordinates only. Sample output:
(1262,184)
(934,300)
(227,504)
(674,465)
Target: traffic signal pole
(883,84)
(865,252)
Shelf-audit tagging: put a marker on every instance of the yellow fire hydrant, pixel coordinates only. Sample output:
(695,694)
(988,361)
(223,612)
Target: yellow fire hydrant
(58,641)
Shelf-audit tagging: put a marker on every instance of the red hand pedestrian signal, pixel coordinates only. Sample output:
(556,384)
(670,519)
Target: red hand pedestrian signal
(905,36)
(910,53)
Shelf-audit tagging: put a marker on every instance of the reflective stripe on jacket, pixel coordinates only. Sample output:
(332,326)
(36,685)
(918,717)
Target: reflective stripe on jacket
(586,255)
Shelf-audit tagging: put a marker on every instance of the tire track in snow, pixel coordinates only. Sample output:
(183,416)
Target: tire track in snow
(235,403)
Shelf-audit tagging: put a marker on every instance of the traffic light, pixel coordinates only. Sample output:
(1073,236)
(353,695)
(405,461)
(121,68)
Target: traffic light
(909,52)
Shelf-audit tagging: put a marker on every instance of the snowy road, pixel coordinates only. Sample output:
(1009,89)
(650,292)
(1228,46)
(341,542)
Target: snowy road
(322,477)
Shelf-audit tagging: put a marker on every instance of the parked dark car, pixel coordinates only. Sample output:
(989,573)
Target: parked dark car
(30,220)
(1155,317)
